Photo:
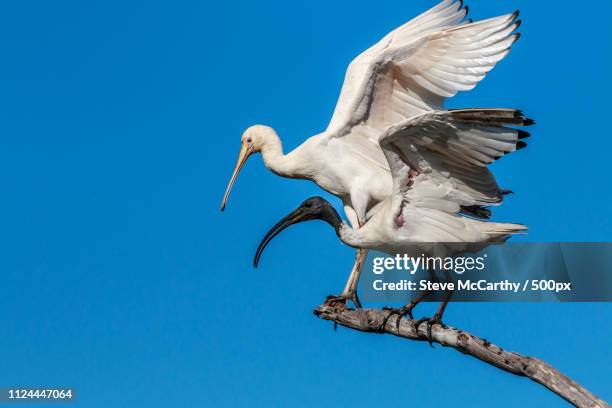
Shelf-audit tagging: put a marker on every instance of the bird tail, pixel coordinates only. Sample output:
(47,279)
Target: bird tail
(500,229)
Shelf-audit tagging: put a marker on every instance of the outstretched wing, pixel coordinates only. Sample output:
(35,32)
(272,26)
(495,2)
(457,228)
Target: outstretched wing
(439,159)
(415,67)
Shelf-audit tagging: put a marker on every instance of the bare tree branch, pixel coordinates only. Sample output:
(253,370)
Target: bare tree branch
(369,320)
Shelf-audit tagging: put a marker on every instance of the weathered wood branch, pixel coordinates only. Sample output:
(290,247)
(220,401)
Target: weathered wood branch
(369,320)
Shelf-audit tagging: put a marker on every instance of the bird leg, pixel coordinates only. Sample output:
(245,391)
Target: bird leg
(407,309)
(437,318)
(350,290)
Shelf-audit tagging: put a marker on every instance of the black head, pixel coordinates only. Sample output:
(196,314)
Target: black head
(314,205)
(314,208)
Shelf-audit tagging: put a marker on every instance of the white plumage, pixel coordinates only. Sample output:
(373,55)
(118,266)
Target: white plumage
(408,73)
(433,158)
(438,162)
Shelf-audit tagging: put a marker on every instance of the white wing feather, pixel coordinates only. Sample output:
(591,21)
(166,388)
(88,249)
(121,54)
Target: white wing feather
(416,66)
(438,162)
(439,159)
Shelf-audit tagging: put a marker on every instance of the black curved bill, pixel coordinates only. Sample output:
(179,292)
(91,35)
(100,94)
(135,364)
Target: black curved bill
(295,217)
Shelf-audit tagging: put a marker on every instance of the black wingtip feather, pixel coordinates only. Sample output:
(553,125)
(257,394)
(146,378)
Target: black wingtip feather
(522,134)
(476,211)
(520,145)
(521,116)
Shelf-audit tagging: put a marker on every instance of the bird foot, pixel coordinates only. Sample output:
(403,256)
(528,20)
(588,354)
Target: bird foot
(401,312)
(336,302)
(340,303)
(437,319)
(343,300)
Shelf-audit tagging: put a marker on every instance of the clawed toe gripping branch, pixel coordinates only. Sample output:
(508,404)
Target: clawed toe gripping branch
(371,320)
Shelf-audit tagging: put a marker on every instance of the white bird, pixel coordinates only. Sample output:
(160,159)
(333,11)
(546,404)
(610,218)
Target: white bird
(409,72)
(431,157)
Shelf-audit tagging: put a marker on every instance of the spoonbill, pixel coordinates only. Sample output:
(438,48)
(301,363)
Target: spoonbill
(407,73)
(437,160)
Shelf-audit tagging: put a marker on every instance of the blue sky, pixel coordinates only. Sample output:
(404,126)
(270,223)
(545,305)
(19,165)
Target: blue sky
(120,125)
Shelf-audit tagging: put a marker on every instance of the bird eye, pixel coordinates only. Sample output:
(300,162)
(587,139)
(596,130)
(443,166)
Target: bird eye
(249,140)
(309,204)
